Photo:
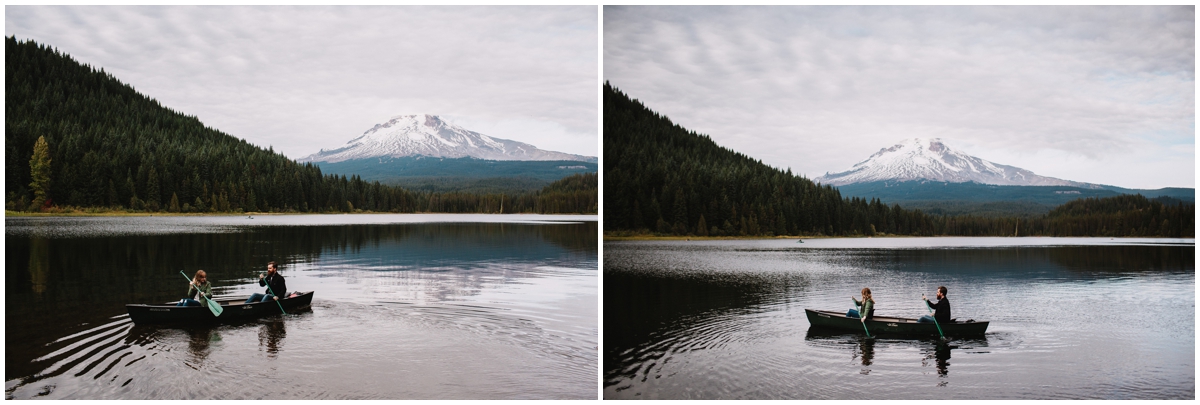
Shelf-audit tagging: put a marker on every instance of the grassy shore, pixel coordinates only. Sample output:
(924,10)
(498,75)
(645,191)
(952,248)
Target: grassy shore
(125,213)
(111,213)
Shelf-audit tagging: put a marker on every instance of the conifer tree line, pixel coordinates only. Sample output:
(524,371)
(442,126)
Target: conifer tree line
(661,178)
(106,145)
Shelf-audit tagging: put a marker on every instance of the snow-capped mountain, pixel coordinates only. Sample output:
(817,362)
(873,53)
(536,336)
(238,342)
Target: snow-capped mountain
(930,159)
(429,135)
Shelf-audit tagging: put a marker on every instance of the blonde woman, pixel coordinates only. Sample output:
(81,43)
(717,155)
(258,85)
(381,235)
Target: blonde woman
(867,304)
(199,291)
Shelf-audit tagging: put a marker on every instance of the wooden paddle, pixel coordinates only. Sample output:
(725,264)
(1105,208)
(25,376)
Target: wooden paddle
(212,305)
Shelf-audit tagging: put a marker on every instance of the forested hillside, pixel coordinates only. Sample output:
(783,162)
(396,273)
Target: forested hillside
(1123,215)
(459,174)
(1126,215)
(937,197)
(110,146)
(661,178)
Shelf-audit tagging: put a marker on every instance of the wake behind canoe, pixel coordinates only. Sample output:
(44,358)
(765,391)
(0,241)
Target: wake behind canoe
(886,325)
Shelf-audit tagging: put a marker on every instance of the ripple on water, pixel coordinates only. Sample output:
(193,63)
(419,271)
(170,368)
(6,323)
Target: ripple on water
(408,350)
(724,320)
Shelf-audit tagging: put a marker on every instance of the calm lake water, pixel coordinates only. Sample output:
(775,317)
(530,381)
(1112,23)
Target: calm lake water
(1070,319)
(405,307)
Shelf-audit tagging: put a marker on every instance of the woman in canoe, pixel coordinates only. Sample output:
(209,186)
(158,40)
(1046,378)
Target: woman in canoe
(199,291)
(867,304)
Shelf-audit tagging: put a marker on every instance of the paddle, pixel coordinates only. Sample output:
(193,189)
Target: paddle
(212,305)
(276,296)
(935,322)
(862,318)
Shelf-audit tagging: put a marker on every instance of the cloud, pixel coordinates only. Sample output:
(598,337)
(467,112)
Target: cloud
(304,78)
(818,89)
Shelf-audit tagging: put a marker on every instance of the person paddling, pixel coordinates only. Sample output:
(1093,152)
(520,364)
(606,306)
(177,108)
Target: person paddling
(941,309)
(199,291)
(274,283)
(867,304)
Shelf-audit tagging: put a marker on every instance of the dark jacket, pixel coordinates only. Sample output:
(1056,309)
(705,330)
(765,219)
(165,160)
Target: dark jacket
(941,309)
(277,285)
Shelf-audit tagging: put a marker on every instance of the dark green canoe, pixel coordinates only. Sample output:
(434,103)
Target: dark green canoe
(232,310)
(886,325)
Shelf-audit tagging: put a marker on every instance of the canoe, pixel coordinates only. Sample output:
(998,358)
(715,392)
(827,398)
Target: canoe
(886,325)
(231,309)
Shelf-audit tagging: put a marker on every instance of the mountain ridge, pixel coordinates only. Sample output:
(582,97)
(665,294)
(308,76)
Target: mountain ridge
(430,135)
(931,159)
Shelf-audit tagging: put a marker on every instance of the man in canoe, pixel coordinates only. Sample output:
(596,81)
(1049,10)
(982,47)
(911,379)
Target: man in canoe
(274,283)
(199,291)
(941,309)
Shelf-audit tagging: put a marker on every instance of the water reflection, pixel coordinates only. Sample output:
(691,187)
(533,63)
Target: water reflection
(270,336)
(681,316)
(863,350)
(39,264)
(866,352)
(521,296)
(659,316)
(199,340)
(86,280)
(941,357)
(1019,262)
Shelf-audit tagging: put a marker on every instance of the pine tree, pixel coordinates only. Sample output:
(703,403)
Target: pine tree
(39,166)
(152,197)
(111,196)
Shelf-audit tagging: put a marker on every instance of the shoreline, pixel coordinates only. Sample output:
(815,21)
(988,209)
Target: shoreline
(701,238)
(612,238)
(231,214)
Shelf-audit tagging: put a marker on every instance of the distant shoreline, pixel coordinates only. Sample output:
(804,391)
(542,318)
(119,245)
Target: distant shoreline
(247,214)
(614,238)
(608,237)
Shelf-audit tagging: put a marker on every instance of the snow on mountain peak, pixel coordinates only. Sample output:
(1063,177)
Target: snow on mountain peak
(430,135)
(931,159)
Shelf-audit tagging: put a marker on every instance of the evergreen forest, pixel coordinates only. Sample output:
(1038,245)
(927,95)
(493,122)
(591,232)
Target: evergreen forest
(76,136)
(663,179)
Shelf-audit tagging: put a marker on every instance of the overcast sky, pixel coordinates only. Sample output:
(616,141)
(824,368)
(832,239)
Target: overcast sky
(1096,94)
(305,78)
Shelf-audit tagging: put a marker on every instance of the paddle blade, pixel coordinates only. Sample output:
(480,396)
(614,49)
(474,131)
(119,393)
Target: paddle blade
(214,307)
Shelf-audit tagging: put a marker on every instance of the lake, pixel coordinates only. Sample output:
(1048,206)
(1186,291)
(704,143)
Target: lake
(405,307)
(1071,318)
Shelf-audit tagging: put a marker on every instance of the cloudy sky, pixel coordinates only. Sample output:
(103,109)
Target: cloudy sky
(1095,94)
(305,78)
